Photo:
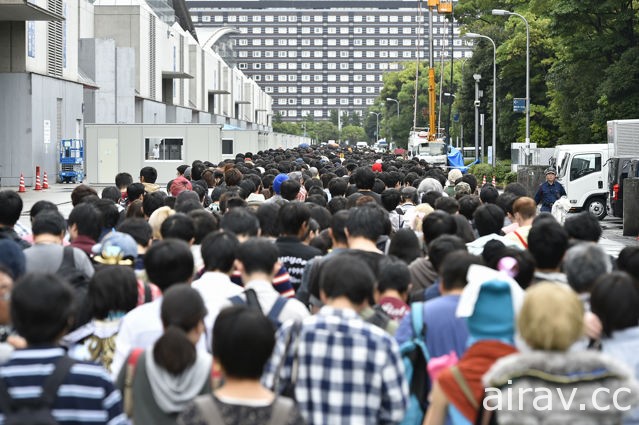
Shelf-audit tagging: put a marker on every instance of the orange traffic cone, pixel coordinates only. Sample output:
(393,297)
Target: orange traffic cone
(494,182)
(483,182)
(38,185)
(45,181)
(22,188)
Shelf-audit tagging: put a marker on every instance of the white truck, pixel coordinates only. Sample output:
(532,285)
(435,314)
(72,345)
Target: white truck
(623,137)
(434,152)
(583,171)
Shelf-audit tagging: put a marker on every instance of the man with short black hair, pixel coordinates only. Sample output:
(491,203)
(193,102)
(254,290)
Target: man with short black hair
(293,219)
(548,242)
(84,227)
(257,261)
(549,191)
(349,371)
(41,312)
(445,331)
(10,212)
(148,176)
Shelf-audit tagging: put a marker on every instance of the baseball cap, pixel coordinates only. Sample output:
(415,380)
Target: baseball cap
(550,170)
(116,248)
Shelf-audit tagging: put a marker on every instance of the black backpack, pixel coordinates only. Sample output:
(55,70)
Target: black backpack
(80,283)
(252,301)
(35,411)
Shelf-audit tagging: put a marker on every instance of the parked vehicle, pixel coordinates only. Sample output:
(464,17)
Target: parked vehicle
(619,168)
(623,138)
(583,171)
(432,151)
(71,165)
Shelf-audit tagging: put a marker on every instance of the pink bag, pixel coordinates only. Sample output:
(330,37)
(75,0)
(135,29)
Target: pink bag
(436,365)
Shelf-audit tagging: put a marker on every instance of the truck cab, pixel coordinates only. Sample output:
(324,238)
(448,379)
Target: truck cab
(583,171)
(432,151)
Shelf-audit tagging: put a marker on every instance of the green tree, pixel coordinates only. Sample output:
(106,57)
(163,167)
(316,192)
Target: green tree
(353,133)
(324,131)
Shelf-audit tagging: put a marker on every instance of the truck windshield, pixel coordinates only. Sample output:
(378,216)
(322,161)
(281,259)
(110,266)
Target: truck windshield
(432,148)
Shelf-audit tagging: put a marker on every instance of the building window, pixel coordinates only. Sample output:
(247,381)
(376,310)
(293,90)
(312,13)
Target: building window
(357,89)
(292,30)
(357,101)
(257,18)
(219,18)
(318,114)
(282,30)
(343,30)
(318,101)
(306,54)
(292,54)
(357,30)
(257,30)
(243,54)
(269,42)
(394,30)
(383,54)
(383,18)
(370,101)
(370,54)
(306,90)
(242,65)
(357,65)
(281,54)
(370,66)
(257,65)
(268,65)
(257,42)
(227,146)
(370,30)
(281,101)
(317,30)
(343,54)
(268,77)
(281,78)
(268,54)
(317,18)
(343,101)
(331,65)
(282,66)
(231,18)
(243,42)
(306,42)
(331,18)
(281,18)
(406,42)
(292,90)
(292,113)
(357,54)
(331,101)
(357,18)
(257,78)
(343,18)
(343,78)
(392,54)
(407,18)
(306,101)
(292,18)
(305,77)
(206,18)
(318,54)
(306,18)
(407,30)
(406,54)
(268,18)
(317,77)
(394,18)
(343,42)
(306,65)
(331,54)
(370,90)
(370,18)
(163,149)
(370,77)
(357,42)
(292,65)
(331,42)
(317,90)
(281,42)
(332,30)
(343,66)
(282,90)
(331,77)
(343,90)
(306,30)
(357,77)
(243,18)
(269,30)
(383,30)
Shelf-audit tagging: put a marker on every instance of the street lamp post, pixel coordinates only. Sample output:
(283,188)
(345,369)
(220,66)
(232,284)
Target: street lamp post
(377,114)
(390,99)
(474,35)
(477,103)
(501,12)
(450,108)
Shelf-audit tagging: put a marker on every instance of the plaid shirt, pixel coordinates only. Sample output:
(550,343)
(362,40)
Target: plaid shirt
(349,371)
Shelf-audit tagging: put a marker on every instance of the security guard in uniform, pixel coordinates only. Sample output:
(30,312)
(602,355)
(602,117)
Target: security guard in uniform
(549,191)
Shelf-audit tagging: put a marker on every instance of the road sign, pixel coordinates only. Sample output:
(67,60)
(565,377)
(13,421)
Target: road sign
(519,104)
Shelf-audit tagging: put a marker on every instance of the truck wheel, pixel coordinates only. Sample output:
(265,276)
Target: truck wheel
(597,207)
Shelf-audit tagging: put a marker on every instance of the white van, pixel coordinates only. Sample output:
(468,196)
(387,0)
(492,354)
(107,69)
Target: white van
(583,171)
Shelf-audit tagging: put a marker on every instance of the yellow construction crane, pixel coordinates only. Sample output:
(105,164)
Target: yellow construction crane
(442,6)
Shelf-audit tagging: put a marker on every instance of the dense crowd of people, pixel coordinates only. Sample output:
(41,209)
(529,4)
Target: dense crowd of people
(313,286)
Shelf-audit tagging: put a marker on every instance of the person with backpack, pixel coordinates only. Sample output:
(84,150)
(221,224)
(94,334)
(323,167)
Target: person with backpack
(489,303)
(257,261)
(242,344)
(47,253)
(158,383)
(41,384)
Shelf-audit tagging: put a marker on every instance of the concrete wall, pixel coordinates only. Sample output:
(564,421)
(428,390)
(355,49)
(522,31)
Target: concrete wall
(199,142)
(22,119)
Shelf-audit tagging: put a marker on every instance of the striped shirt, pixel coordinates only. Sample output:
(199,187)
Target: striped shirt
(86,396)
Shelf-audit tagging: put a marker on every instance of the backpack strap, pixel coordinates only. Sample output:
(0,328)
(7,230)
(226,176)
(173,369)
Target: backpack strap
(251,299)
(237,300)
(68,258)
(53,382)
(131,364)
(281,410)
(148,297)
(277,308)
(417,319)
(522,240)
(6,401)
(210,412)
(463,385)
(49,387)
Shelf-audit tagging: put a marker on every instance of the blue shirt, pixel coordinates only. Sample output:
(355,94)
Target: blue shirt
(86,396)
(445,332)
(548,193)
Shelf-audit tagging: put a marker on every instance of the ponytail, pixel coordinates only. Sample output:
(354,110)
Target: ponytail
(173,351)
(182,311)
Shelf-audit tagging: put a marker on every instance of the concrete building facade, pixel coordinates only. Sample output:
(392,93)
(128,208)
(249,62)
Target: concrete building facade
(314,57)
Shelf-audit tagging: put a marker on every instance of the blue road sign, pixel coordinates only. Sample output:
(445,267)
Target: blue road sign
(519,104)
